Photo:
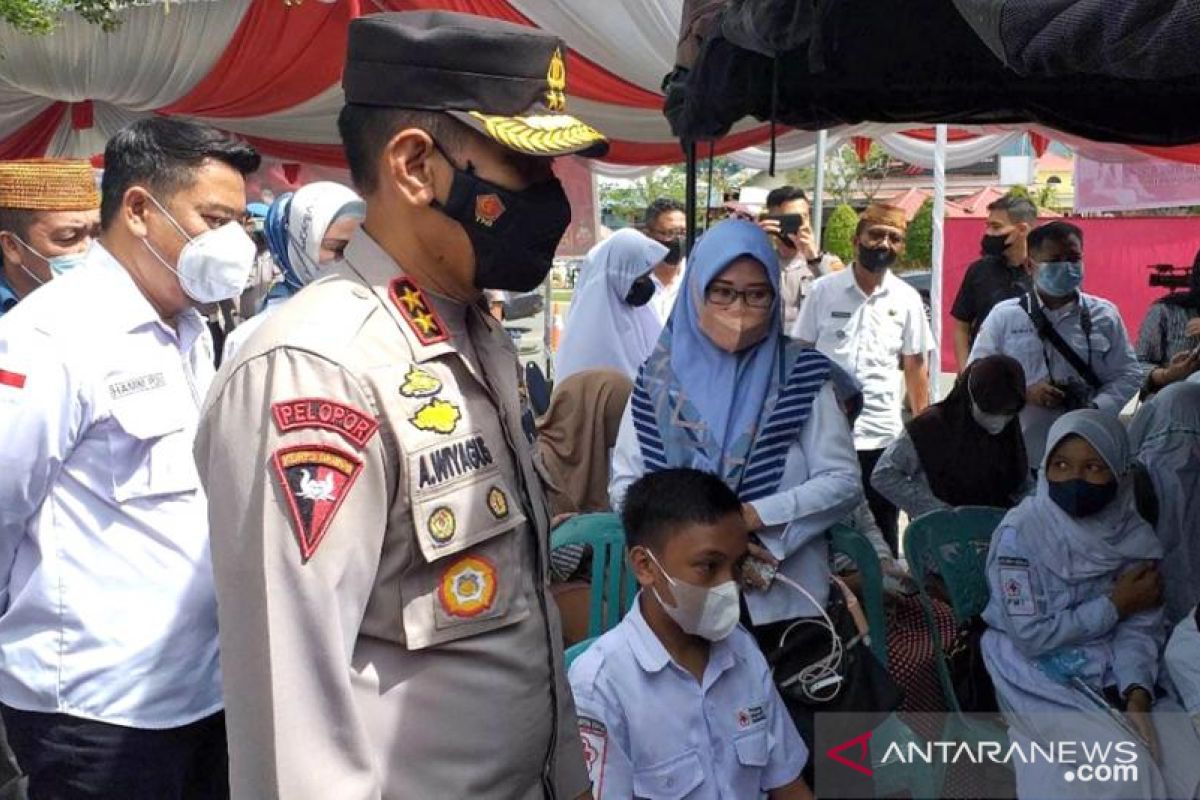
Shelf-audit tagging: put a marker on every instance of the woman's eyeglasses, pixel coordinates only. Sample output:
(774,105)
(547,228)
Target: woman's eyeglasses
(755,297)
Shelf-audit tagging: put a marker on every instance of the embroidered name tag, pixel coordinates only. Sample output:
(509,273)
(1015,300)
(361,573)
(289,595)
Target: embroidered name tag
(142,383)
(841,314)
(461,457)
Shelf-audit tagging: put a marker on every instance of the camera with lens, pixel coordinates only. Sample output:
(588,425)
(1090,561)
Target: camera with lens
(1170,276)
(1076,393)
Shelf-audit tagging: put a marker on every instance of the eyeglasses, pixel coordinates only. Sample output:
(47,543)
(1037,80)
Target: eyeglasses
(667,235)
(879,236)
(758,297)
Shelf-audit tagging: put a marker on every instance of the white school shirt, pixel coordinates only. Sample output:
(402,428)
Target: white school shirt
(1008,330)
(866,336)
(107,610)
(664,297)
(649,729)
(821,484)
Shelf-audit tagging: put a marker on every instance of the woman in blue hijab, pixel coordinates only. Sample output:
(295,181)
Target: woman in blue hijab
(724,391)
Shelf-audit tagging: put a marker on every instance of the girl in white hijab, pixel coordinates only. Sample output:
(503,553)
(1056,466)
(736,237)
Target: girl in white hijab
(610,324)
(1166,438)
(1075,622)
(306,231)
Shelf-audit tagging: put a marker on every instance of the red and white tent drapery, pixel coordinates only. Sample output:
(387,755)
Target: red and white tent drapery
(271,72)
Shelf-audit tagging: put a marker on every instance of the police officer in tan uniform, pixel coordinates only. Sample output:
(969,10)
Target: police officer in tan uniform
(379,536)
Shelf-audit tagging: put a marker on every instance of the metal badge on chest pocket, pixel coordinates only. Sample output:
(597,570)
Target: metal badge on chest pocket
(150,450)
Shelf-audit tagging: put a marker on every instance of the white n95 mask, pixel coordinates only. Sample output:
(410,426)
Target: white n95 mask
(708,613)
(213,266)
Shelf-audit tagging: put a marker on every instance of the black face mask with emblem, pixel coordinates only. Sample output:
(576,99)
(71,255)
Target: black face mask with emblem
(514,234)
(640,292)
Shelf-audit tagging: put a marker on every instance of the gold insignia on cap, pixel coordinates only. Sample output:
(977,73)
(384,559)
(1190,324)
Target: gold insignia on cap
(556,77)
(549,134)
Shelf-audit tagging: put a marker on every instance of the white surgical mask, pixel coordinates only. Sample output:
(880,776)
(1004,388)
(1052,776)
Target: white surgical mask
(213,266)
(708,613)
(992,423)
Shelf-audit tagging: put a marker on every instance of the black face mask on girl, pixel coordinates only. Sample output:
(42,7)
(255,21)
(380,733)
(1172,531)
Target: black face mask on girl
(640,292)
(514,234)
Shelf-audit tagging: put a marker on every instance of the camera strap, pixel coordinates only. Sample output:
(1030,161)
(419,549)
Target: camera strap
(1047,333)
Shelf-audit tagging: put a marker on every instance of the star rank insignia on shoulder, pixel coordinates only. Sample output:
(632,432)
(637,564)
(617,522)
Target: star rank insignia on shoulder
(418,312)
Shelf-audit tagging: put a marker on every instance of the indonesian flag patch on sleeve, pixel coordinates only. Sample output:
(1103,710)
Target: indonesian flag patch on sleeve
(315,479)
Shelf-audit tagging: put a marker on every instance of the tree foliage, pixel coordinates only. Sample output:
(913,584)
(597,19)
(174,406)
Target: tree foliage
(839,232)
(628,199)
(918,252)
(846,176)
(40,17)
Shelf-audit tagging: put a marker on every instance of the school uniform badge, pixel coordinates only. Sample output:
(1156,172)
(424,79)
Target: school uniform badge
(468,587)
(593,734)
(497,503)
(1017,586)
(418,312)
(315,479)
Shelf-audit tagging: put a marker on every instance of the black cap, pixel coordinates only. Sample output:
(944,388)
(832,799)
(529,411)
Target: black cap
(506,81)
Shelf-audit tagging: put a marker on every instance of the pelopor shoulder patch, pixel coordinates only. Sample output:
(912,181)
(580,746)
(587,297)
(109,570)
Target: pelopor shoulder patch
(355,426)
(315,479)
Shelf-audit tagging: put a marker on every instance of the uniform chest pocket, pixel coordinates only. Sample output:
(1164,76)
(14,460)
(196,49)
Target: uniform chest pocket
(669,780)
(752,747)
(150,451)
(459,496)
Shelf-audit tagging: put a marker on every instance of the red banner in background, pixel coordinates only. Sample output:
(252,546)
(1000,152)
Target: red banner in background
(1116,254)
(576,179)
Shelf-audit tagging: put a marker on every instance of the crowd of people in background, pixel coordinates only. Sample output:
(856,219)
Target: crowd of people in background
(276,520)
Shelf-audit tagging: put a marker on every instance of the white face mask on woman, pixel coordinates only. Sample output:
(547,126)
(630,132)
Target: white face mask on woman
(708,613)
(213,266)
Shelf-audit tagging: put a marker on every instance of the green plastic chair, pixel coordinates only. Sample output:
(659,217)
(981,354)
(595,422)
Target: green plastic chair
(613,584)
(852,544)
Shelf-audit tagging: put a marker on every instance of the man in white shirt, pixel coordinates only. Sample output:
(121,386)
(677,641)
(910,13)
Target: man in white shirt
(1106,373)
(666,223)
(110,685)
(801,261)
(872,324)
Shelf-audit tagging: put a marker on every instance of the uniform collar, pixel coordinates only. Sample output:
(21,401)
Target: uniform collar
(8,297)
(420,315)
(885,286)
(653,657)
(128,308)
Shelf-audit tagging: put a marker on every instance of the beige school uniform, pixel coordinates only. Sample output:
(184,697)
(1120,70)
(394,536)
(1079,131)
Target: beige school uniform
(379,549)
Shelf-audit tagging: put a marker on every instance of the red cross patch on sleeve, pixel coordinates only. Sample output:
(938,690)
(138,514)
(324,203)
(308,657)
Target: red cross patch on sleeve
(316,480)
(418,312)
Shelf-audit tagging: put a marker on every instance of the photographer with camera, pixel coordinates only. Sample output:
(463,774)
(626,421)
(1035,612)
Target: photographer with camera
(1073,346)
(1169,341)
(801,260)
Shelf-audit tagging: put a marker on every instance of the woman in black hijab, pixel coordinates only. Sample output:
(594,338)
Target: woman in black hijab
(966,450)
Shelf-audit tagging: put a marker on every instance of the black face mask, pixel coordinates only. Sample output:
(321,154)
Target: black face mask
(640,292)
(992,245)
(674,251)
(1080,498)
(876,260)
(514,234)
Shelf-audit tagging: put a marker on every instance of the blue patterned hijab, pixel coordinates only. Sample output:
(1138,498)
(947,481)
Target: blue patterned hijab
(734,414)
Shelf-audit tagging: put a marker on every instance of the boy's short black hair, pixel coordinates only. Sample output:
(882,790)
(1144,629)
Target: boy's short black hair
(1058,231)
(163,154)
(658,504)
(660,206)
(785,194)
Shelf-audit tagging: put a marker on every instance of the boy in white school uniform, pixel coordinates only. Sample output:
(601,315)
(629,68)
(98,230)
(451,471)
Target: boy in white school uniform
(678,700)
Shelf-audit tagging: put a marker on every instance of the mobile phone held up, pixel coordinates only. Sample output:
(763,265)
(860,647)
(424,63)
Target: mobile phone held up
(789,225)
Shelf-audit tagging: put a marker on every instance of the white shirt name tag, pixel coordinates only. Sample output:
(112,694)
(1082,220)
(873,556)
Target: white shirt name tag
(131,386)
